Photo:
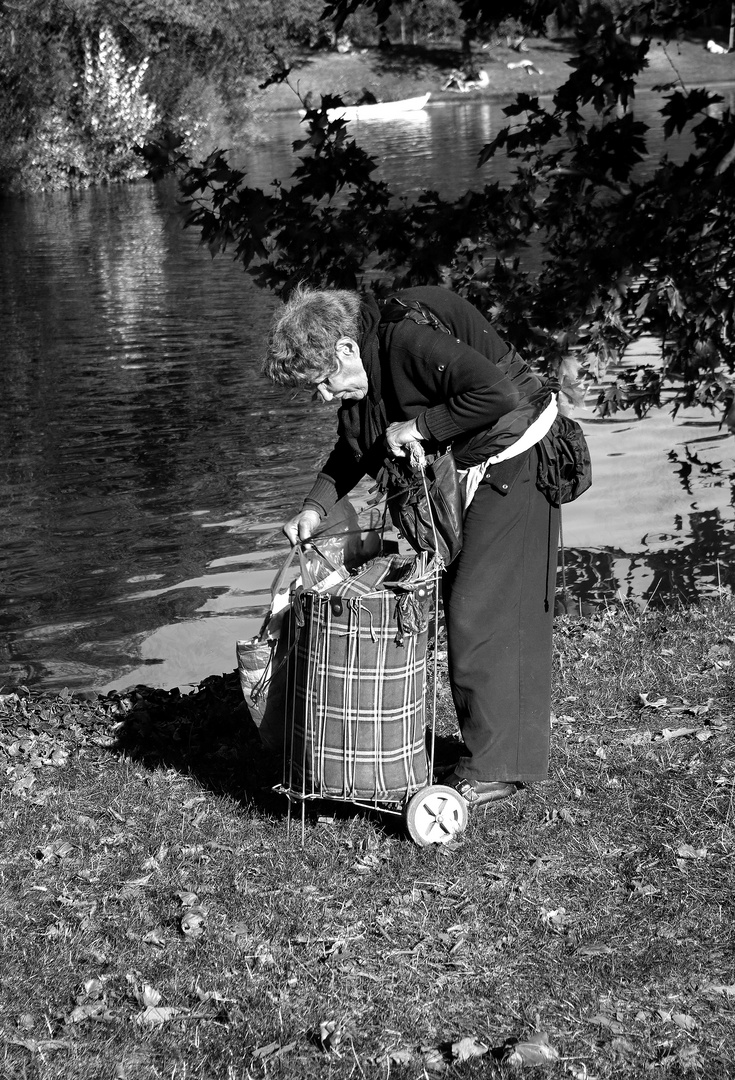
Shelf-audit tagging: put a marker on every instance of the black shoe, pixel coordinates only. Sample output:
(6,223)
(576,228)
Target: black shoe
(479,792)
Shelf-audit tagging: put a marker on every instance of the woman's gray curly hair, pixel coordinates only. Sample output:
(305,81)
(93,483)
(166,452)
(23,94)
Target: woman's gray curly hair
(303,336)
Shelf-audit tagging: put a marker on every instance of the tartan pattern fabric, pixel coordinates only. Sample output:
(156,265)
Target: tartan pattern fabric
(383,568)
(357,700)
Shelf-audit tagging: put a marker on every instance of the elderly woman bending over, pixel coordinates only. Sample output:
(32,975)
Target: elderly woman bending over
(396,377)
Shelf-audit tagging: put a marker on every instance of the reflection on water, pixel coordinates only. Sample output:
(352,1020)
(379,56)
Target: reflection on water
(147,465)
(437,149)
(698,561)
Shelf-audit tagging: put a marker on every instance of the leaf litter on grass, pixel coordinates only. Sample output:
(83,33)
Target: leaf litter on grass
(603,893)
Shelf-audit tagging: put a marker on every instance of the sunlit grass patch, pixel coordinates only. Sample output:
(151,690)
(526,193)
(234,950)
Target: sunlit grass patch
(159,919)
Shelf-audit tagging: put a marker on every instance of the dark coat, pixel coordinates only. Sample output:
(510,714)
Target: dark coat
(467,388)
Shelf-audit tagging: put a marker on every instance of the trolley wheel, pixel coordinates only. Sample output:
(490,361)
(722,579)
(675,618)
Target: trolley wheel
(435,815)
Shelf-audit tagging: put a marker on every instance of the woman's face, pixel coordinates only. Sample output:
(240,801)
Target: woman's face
(349,382)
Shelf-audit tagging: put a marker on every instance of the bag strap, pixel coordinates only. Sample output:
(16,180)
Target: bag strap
(277,585)
(280,578)
(310,544)
(395,310)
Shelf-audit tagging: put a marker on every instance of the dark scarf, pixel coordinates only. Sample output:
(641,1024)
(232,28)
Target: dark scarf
(362,423)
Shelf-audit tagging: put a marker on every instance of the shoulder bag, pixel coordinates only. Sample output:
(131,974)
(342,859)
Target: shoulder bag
(565,467)
(425,503)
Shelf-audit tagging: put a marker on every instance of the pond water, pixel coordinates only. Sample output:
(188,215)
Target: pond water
(146,465)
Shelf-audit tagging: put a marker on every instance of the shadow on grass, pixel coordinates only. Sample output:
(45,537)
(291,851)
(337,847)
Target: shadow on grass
(401,59)
(209,735)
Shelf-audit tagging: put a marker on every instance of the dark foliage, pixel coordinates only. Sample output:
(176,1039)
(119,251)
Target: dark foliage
(582,253)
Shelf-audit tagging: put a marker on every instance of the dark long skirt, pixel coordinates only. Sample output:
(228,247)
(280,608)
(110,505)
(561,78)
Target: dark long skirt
(499,608)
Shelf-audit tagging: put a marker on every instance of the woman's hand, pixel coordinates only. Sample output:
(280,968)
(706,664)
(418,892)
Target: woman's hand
(398,434)
(301,526)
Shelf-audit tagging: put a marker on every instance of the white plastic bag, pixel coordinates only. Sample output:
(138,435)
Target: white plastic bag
(261,661)
(340,544)
(340,541)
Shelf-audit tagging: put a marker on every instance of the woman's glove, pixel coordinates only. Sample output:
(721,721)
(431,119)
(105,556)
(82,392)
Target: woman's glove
(301,526)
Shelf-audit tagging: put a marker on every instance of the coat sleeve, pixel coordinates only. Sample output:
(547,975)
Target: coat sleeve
(339,474)
(449,387)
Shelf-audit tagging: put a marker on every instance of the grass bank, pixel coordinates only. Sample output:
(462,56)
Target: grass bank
(159,921)
(406,72)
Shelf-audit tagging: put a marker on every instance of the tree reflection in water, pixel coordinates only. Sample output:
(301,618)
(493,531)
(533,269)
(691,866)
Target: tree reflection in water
(675,568)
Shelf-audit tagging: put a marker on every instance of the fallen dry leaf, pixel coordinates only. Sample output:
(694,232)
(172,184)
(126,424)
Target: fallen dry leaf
(556,817)
(114,840)
(40,1046)
(623,1047)
(193,923)
(20,787)
(400,1057)
(433,1059)
(193,802)
(60,849)
(595,950)
(153,937)
(92,989)
(368,863)
(211,996)
(537,1050)
(157,1015)
(330,1035)
(699,710)
(468,1048)
(667,734)
(719,988)
(130,888)
(686,851)
(638,738)
(608,1022)
(555,919)
(689,1057)
(91,1011)
(659,703)
(149,995)
(642,889)
(188,899)
(577,1070)
(684,1021)
(264,955)
(153,862)
(265,1051)
(281,1051)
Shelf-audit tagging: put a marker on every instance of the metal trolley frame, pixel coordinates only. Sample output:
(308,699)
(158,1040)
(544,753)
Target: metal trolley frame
(433,813)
